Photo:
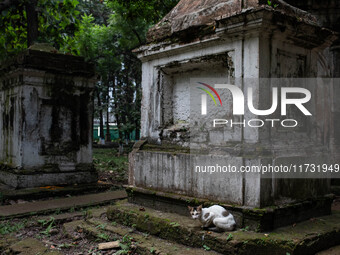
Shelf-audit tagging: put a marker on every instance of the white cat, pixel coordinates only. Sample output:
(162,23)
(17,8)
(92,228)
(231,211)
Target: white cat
(215,217)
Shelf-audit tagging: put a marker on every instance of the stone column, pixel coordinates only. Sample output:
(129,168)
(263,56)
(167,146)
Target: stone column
(46,108)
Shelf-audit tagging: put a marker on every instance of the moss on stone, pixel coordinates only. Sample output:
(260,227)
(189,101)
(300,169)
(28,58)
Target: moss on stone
(306,235)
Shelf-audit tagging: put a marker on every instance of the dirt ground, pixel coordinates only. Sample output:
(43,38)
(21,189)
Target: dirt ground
(53,236)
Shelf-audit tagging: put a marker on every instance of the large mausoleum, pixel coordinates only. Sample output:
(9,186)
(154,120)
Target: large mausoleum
(247,44)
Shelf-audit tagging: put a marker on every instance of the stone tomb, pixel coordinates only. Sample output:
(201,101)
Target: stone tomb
(241,42)
(46,110)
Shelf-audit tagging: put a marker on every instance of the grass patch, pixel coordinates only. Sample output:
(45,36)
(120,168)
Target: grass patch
(108,160)
(7,227)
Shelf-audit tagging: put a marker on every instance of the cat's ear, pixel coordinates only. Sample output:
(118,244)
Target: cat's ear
(199,208)
(190,208)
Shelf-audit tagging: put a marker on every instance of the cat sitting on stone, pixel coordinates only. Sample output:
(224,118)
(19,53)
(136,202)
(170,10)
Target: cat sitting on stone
(215,218)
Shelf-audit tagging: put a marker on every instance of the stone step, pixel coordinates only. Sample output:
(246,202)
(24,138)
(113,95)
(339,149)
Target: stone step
(62,204)
(9,193)
(106,231)
(62,217)
(307,237)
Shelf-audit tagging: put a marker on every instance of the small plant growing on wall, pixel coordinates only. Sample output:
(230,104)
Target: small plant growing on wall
(271,3)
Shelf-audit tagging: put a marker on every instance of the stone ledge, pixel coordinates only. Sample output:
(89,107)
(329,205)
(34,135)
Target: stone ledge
(61,204)
(307,237)
(256,219)
(8,193)
(43,179)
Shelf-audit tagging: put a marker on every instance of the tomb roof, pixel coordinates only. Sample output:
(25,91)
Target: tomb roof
(189,14)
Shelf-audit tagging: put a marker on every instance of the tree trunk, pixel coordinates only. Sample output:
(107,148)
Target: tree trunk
(116,110)
(108,135)
(32,22)
(128,97)
(101,123)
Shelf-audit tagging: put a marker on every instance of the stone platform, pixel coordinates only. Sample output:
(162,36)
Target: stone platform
(308,237)
(256,219)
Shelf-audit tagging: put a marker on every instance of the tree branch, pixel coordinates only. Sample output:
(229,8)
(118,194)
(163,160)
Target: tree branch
(137,35)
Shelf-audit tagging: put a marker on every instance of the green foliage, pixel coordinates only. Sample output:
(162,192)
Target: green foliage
(103,236)
(7,227)
(50,225)
(125,245)
(66,245)
(245,229)
(57,23)
(270,3)
(207,248)
(109,42)
(102,226)
(107,160)
(13,31)
(175,224)
(104,32)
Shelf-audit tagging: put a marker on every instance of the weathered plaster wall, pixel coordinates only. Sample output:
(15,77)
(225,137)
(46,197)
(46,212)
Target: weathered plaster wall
(260,44)
(156,117)
(175,173)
